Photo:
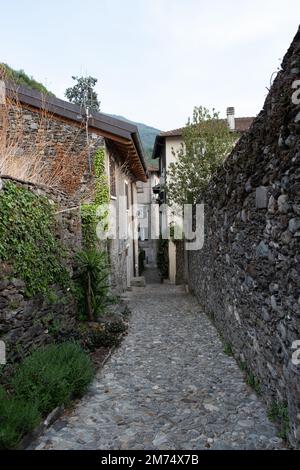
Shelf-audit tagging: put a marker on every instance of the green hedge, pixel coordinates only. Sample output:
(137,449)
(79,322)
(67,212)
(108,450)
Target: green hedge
(53,376)
(50,377)
(17,418)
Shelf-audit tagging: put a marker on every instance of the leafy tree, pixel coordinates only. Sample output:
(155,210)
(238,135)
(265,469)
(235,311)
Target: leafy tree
(207,141)
(83,93)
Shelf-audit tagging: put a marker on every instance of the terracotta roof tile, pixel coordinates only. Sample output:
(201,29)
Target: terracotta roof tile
(172,133)
(242,124)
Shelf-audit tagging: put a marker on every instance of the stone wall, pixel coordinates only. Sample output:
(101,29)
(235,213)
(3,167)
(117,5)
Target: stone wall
(247,276)
(30,322)
(59,147)
(118,265)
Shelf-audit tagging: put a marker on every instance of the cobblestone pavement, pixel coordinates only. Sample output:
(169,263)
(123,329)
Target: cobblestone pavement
(168,386)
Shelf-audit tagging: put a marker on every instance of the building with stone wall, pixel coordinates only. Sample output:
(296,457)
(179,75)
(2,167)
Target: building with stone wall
(26,321)
(58,142)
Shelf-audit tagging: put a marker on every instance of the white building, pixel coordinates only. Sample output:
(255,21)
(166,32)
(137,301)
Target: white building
(148,216)
(166,147)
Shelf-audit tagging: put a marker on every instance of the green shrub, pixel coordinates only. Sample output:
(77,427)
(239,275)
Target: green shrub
(278,412)
(17,418)
(242,365)
(91,283)
(52,376)
(253,382)
(97,336)
(108,337)
(21,78)
(228,349)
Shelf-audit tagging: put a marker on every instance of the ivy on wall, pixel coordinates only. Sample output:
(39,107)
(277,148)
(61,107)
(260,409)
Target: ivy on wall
(89,215)
(27,239)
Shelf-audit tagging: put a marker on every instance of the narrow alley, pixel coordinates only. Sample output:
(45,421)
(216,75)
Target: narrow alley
(168,386)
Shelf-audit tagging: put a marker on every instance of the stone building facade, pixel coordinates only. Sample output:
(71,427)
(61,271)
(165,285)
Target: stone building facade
(47,140)
(247,275)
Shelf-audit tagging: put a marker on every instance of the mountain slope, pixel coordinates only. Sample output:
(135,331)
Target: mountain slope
(147,134)
(20,77)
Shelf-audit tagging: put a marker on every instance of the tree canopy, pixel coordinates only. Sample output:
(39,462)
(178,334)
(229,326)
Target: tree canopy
(207,141)
(83,93)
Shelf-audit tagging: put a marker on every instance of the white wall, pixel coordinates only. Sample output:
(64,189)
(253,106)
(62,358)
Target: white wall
(151,218)
(173,144)
(123,250)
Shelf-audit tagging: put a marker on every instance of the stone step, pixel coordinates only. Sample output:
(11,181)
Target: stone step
(138,281)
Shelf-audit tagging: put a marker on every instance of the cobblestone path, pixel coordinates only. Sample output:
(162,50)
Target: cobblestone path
(168,386)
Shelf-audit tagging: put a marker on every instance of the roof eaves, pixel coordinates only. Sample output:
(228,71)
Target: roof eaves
(158,143)
(138,144)
(69,110)
(75,113)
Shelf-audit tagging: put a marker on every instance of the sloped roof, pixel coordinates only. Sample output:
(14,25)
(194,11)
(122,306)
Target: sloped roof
(124,135)
(172,133)
(242,124)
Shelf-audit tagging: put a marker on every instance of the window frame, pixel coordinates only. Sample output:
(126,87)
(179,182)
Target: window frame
(112,178)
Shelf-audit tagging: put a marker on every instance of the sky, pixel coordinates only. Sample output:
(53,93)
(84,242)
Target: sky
(154,59)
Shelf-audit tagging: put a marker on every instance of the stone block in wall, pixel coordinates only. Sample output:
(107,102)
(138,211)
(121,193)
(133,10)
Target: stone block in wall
(261,197)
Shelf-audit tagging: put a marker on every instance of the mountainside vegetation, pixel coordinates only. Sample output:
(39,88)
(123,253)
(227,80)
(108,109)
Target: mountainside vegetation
(147,134)
(21,78)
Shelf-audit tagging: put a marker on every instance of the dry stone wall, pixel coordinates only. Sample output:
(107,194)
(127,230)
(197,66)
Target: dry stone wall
(59,147)
(26,323)
(247,276)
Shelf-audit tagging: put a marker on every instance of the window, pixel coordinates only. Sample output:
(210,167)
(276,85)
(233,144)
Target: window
(141,212)
(139,187)
(127,196)
(142,215)
(143,235)
(112,177)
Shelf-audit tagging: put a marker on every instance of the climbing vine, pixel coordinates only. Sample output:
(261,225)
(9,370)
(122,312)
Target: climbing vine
(89,216)
(27,239)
